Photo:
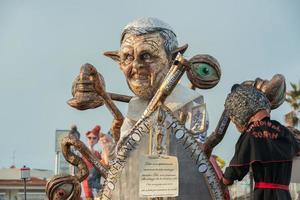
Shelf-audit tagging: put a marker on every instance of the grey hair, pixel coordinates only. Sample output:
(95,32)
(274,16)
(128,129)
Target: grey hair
(150,25)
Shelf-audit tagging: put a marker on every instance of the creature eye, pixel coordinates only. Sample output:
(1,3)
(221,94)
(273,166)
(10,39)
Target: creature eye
(145,56)
(205,71)
(128,58)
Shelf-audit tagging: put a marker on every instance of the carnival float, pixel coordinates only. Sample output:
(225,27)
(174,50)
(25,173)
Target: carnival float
(155,151)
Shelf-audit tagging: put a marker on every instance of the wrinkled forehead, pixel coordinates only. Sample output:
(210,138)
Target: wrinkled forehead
(153,40)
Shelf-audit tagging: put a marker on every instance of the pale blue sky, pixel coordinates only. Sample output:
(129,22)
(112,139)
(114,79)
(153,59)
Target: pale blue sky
(44,43)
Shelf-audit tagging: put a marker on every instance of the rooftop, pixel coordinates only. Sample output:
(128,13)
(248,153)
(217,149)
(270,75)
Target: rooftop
(11,177)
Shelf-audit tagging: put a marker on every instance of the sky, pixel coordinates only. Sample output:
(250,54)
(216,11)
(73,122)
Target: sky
(44,43)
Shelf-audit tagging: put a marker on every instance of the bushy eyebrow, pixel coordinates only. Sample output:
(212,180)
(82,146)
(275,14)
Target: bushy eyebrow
(126,48)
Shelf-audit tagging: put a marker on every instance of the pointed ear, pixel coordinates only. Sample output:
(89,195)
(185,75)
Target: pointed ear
(113,55)
(181,50)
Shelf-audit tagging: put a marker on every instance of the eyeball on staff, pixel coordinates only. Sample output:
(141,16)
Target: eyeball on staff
(204,72)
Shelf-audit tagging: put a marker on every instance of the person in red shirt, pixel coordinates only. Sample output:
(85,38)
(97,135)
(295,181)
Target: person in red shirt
(91,184)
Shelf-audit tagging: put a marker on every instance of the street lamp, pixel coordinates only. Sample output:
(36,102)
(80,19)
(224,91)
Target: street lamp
(25,174)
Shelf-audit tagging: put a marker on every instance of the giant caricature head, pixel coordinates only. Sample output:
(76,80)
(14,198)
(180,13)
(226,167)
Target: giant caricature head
(145,56)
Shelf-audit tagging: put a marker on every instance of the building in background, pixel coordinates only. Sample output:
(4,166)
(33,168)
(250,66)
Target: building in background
(12,186)
(61,165)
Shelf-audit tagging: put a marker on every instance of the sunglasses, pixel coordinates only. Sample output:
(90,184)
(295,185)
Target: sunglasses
(92,138)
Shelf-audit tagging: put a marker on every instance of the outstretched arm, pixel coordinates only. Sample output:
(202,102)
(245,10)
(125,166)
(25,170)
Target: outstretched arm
(233,173)
(216,137)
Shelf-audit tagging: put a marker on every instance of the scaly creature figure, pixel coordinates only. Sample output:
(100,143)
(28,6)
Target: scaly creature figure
(265,145)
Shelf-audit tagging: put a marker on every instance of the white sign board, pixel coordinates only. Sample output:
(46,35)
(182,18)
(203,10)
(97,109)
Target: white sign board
(25,173)
(296,171)
(159,176)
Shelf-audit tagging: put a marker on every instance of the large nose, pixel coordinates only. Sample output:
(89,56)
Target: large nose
(136,64)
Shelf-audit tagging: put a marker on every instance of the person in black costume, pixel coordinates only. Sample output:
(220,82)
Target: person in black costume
(264,145)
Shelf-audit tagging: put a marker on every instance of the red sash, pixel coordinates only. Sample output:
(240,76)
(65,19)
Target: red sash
(265,185)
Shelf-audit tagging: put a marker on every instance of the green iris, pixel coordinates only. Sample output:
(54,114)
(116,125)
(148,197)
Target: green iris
(204,71)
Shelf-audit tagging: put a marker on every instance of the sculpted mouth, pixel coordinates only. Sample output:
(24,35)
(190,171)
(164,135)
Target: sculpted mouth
(140,77)
(140,81)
